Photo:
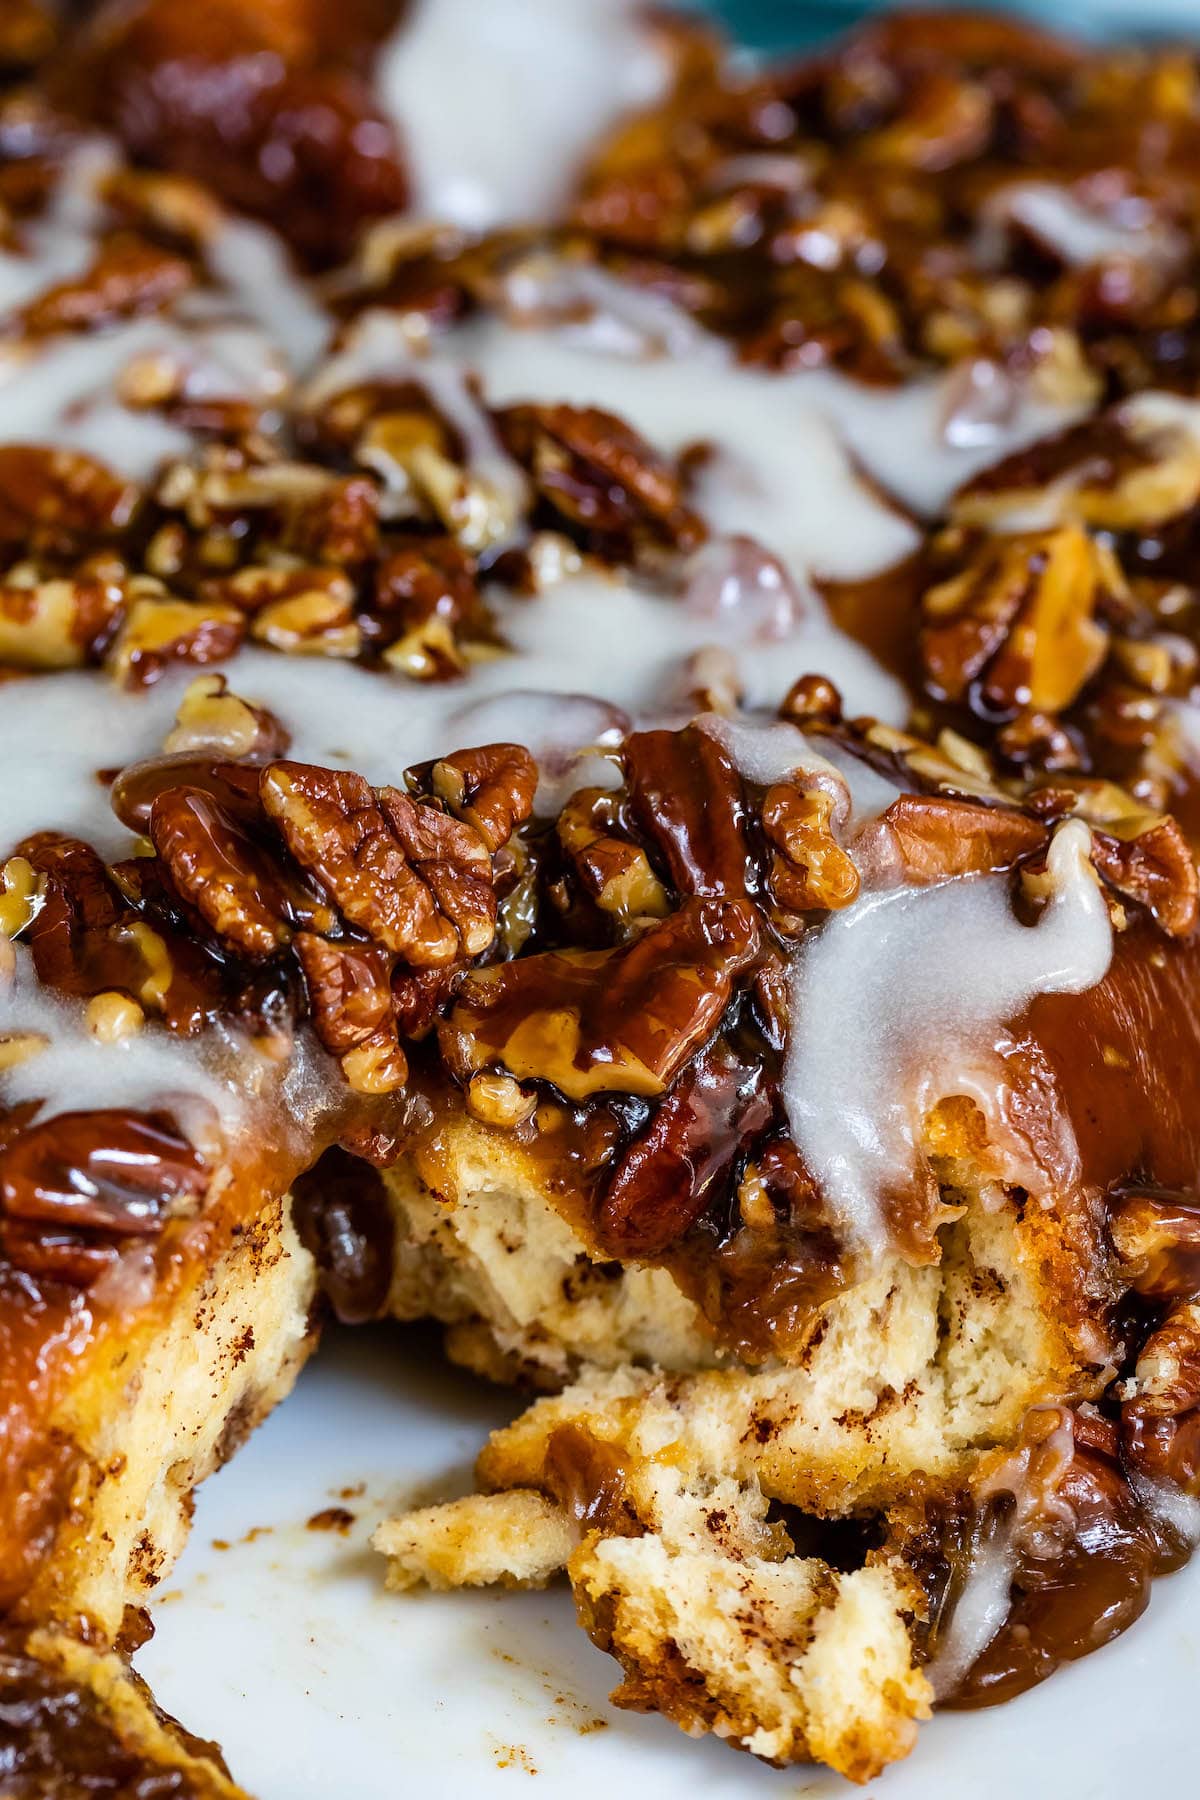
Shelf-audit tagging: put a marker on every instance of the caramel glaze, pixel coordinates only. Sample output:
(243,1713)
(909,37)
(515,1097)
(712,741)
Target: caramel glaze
(1125,1059)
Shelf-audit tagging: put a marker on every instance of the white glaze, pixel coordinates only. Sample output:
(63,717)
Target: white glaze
(497,104)
(979,1612)
(1039,1522)
(142,1071)
(900,996)
(770,753)
(239,339)
(1082,234)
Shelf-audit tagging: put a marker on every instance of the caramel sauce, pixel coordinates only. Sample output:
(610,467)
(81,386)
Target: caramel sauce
(344,1219)
(1125,1060)
(587,1476)
(882,613)
(57,1740)
(1066,1605)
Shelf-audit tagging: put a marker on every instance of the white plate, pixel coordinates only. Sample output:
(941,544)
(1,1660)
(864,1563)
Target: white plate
(286,1649)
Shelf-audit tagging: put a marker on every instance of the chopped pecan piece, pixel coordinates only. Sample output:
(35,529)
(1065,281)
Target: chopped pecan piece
(128,277)
(1156,868)
(598,473)
(423,594)
(213,719)
(1019,621)
(809,870)
(1157,1237)
(87,939)
(22,891)
(318,621)
(159,630)
(496,1099)
(623,1020)
(812,700)
(70,932)
(491,788)
(75,1186)
(419,995)
(260,585)
(1128,470)
(57,624)
(615,872)
(307,611)
(412,878)
(1143,855)
(340,527)
(945,120)
(378,1065)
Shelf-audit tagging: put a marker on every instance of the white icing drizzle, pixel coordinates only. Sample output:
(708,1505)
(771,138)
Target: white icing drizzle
(1082,233)
(896,996)
(979,1612)
(770,753)
(1039,1522)
(240,339)
(1170,1505)
(144,1070)
(251,263)
(497,104)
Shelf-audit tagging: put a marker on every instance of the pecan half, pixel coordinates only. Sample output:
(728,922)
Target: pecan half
(687,800)
(666,1178)
(1019,621)
(246,895)
(89,938)
(598,473)
(75,1186)
(350,997)
(923,838)
(412,878)
(624,1020)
